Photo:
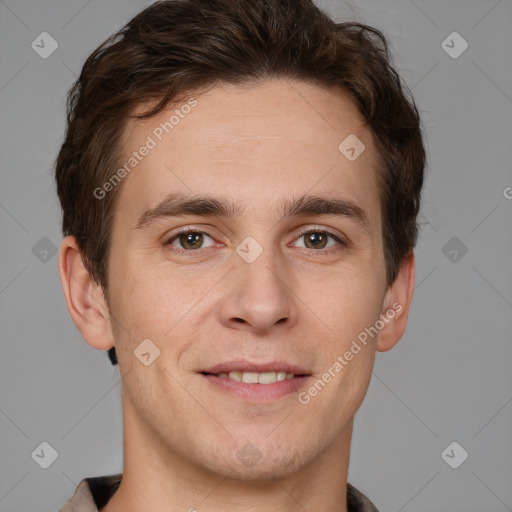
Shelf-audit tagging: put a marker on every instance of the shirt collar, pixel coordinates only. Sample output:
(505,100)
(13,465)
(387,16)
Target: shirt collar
(93,493)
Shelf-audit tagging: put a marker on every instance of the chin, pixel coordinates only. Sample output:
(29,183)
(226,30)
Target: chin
(249,463)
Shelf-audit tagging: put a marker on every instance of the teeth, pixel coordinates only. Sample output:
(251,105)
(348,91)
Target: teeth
(250,377)
(255,378)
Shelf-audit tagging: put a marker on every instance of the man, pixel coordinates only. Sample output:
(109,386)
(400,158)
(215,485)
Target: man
(239,182)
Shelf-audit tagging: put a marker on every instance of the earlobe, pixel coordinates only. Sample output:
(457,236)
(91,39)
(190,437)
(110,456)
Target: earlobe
(396,305)
(84,298)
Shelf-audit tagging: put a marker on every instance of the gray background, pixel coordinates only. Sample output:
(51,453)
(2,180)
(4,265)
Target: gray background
(449,378)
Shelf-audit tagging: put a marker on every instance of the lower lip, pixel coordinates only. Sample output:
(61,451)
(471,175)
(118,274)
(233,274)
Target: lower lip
(258,392)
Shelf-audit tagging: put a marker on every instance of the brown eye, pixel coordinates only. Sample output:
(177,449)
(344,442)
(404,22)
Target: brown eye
(318,240)
(191,240)
(188,240)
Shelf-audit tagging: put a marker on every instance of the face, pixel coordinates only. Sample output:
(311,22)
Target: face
(271,283)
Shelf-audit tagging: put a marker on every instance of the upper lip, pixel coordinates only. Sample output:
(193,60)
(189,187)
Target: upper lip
(249,366)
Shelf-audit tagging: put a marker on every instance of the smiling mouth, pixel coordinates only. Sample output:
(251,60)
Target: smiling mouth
(255,377)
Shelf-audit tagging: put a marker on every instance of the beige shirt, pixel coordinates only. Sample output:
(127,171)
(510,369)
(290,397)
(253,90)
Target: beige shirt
(93,493)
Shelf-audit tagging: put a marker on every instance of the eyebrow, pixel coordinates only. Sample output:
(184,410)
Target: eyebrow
(175,205)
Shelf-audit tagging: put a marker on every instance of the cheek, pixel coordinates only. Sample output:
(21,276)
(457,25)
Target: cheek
(349,303)
(146,295)
(160,306)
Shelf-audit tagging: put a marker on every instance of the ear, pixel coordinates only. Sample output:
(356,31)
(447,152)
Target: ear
(84,298)
(396,305)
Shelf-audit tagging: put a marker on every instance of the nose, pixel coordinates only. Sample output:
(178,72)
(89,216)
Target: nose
(258,295)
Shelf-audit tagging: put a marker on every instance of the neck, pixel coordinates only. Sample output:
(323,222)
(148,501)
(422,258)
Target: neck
(157,478)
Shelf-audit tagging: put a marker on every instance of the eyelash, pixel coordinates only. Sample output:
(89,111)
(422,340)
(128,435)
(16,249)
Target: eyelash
(307,231)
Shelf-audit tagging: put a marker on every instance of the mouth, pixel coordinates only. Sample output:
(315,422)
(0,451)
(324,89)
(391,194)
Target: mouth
(256,377)
(256,382)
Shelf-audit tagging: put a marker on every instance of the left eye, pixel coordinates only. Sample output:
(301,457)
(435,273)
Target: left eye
(316,239)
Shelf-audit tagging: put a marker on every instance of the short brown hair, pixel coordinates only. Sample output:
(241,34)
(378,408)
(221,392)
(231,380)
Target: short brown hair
(176,47)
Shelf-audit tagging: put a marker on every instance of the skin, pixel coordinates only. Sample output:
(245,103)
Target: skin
(256,145)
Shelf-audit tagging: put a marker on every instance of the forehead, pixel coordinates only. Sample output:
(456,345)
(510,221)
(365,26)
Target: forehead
(254,143)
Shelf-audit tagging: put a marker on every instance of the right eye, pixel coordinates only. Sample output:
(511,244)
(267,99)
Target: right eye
(189,240)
